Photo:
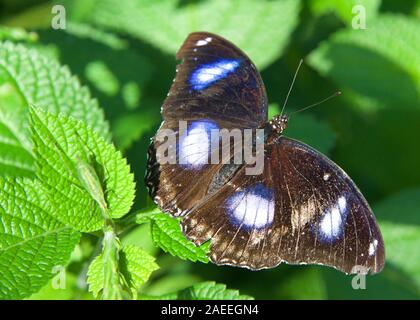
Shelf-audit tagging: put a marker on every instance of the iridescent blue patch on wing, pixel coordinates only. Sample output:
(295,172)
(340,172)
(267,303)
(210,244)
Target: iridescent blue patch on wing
(252,207)
(194,145)
(206,74)
(331,225)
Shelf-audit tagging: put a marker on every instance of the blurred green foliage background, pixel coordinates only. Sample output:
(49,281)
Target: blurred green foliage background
(124,52)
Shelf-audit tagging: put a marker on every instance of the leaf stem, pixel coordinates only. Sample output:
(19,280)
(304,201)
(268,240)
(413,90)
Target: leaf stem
(112,289)
(135,217)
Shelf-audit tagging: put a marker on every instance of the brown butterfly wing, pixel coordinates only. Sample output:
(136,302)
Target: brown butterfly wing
(177,187)
(216,80)
(303,209)
(216,86)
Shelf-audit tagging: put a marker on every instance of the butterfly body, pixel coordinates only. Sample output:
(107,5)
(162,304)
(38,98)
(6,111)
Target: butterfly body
(300,209)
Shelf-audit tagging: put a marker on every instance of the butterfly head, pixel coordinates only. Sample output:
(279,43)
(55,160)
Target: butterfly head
(279,123)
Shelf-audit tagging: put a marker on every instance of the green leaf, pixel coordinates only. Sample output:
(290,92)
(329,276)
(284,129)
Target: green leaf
(390,284)
(104,273)
(264,32)
(146,215)
(95,276)
(61,144)
(116,73)
(135,267)
(140,235)
(15,155)
(400,226)
(371,148)
(27,77)
(131,127)
(71,291)
(173,281)
(99,74)
(112,280)
(204,291)
(166,233)
(344,8)
(379,66)
(84,31)
(17,34)
(305,283)
(32,240)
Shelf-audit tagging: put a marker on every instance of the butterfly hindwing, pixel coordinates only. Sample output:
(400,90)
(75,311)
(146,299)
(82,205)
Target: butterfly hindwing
(302,209)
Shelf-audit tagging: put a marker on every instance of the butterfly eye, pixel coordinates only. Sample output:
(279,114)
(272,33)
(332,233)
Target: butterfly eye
(284,118)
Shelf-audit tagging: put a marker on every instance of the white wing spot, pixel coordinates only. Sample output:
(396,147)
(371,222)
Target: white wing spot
(372,247)
(194,144)
(203,42)
(333,219)
(206,74)
(252,208)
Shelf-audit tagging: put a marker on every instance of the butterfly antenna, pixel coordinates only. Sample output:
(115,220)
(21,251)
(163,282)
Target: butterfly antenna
(291,86)
(335,94)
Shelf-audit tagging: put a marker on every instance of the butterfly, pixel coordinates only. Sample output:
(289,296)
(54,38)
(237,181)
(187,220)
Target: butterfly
(301,209)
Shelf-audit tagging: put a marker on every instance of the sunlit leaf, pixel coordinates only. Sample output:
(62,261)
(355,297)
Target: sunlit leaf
(205,291)
(347,10)
(400,225)
(166,233)
(27,77)
(62,144)
(380,63)
(135,268)
(264,30)
(32,240)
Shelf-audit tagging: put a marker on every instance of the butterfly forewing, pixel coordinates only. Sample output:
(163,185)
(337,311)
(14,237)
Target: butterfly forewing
(216,86)
(216,80)
(177,187)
